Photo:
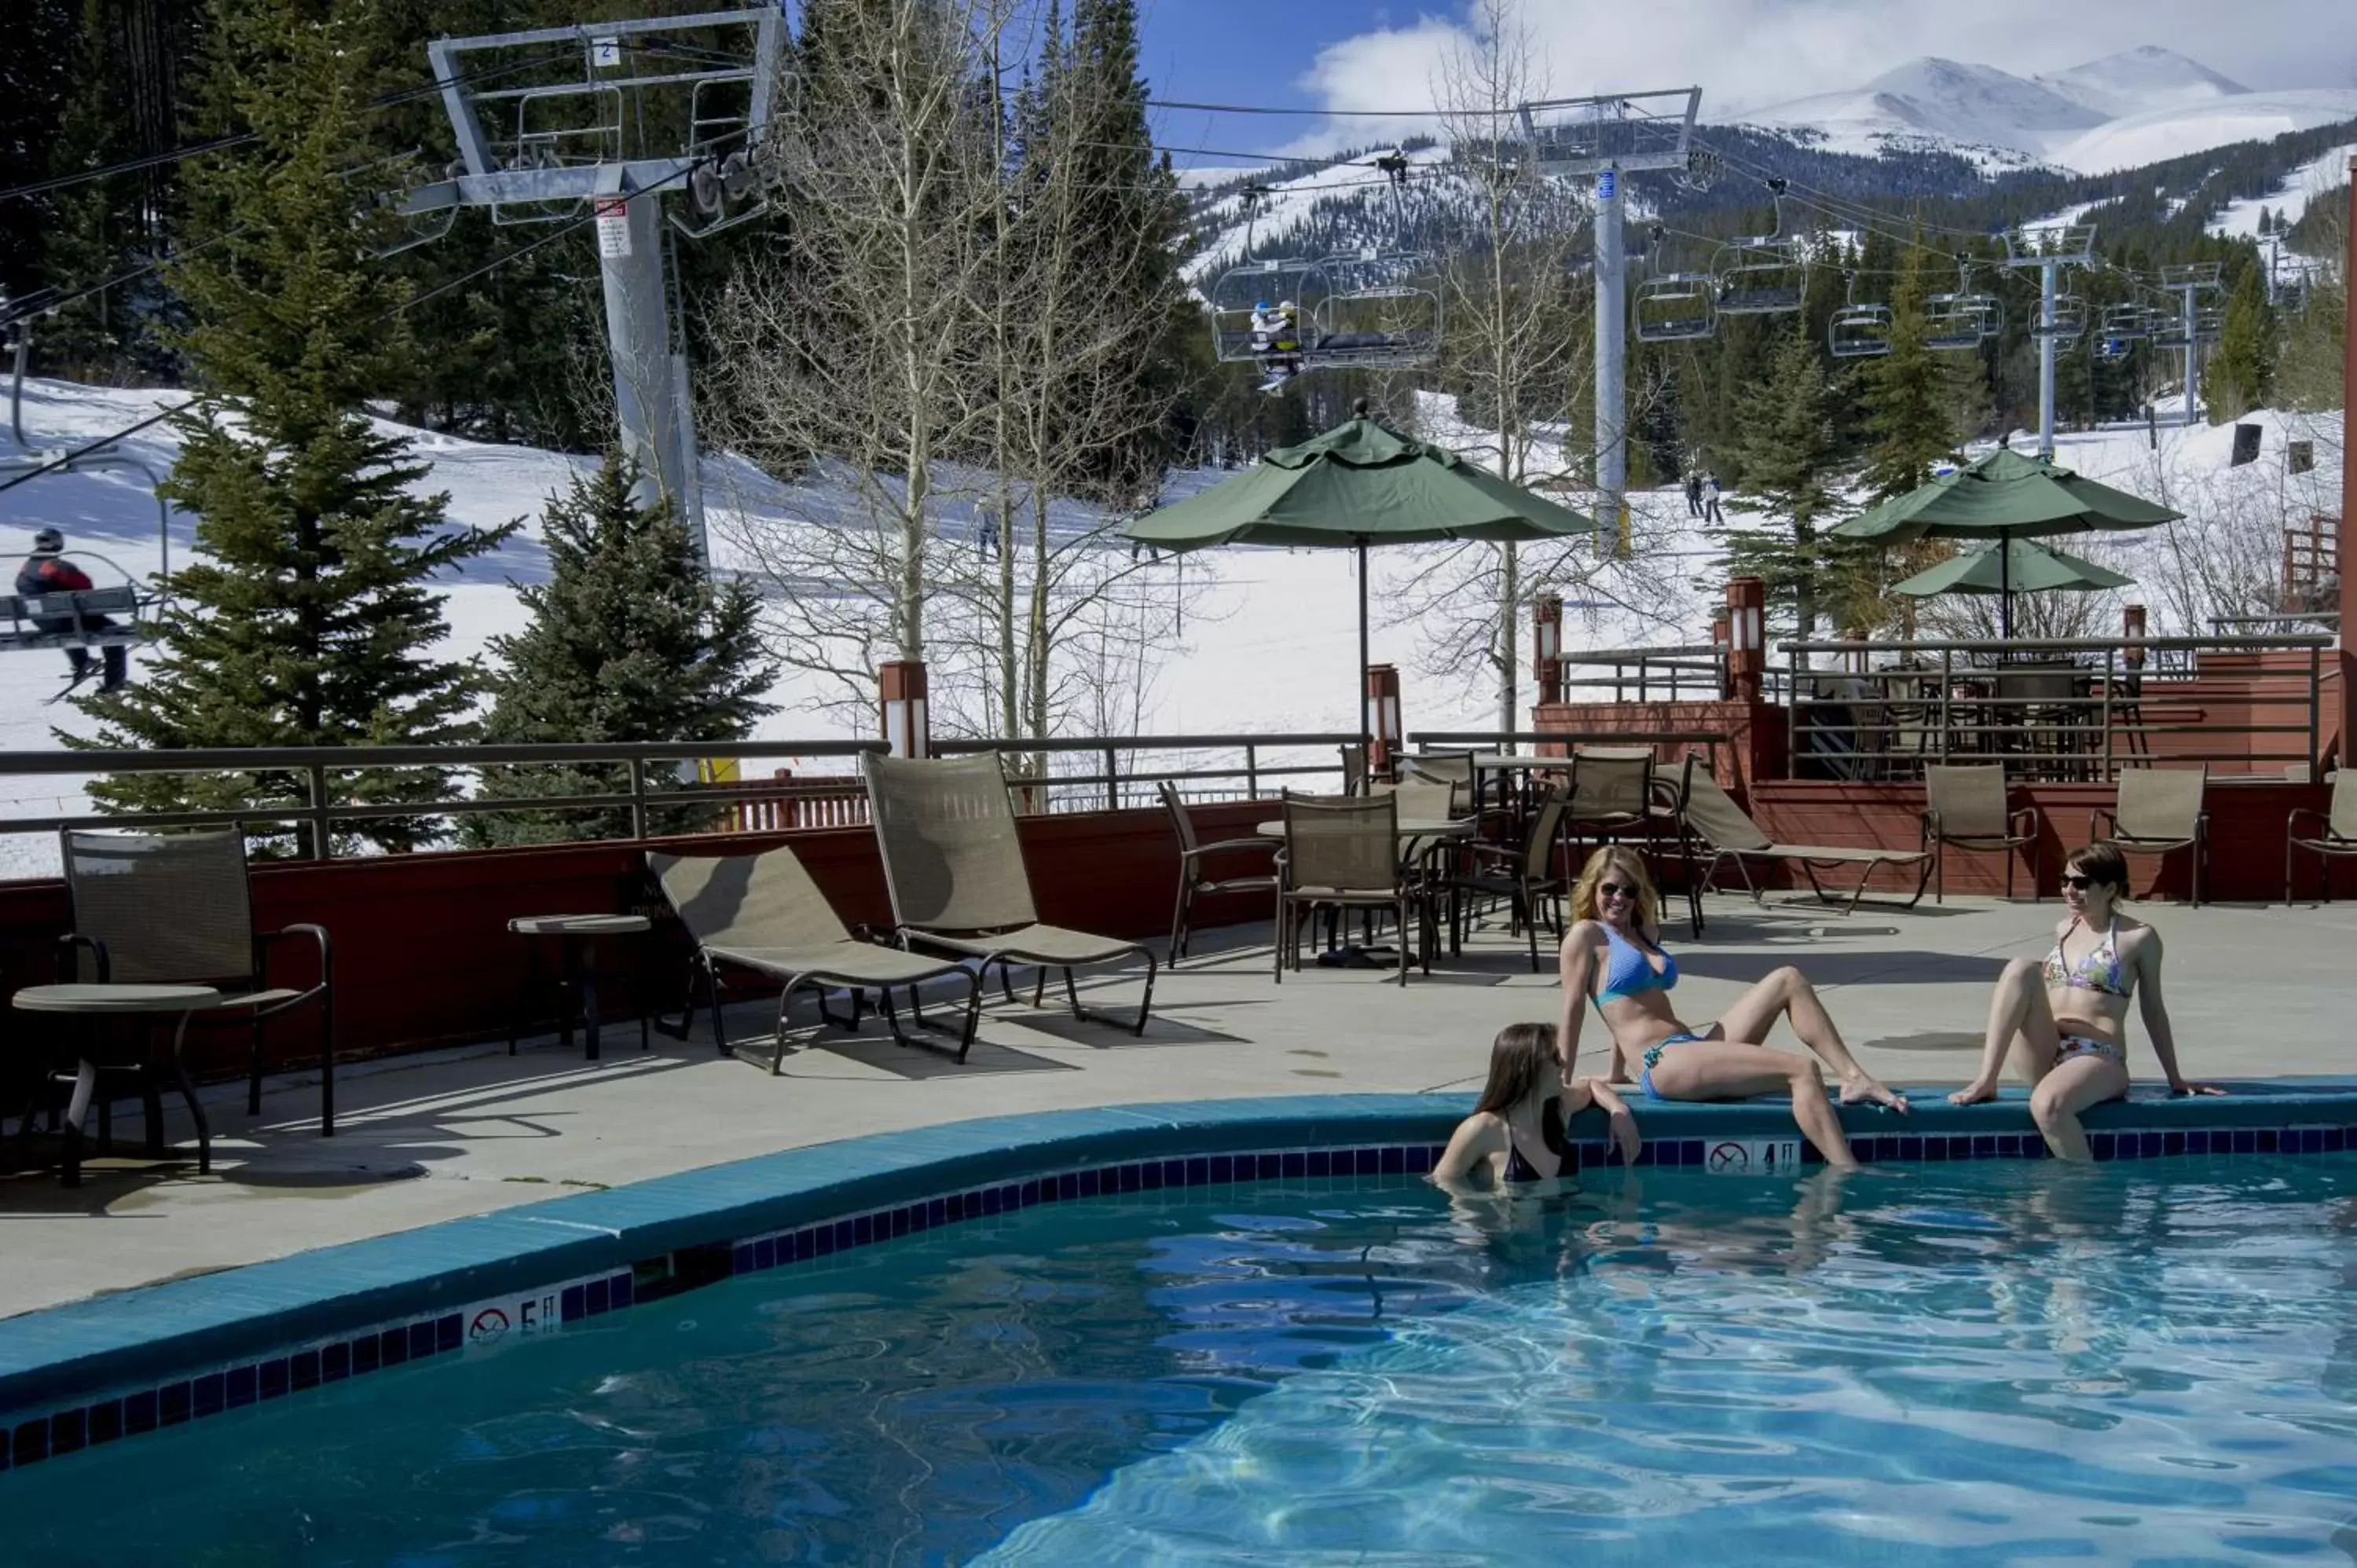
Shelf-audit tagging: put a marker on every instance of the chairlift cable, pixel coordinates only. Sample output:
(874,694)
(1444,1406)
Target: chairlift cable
(242,138)
(554,234)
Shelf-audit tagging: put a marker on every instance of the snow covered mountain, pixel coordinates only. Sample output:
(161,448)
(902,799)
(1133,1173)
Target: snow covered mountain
(2140,106)
(2140,81)
(1969,105)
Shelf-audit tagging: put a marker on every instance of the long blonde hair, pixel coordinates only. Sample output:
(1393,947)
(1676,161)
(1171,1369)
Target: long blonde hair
(1583,902)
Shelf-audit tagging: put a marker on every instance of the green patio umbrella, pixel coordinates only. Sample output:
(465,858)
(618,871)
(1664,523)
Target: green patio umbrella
(1356,486)
(2002,497)
(2024,567)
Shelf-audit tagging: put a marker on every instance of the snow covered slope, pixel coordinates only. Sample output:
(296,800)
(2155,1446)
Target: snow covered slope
(2289,199)
(2160,134)
(1269,638)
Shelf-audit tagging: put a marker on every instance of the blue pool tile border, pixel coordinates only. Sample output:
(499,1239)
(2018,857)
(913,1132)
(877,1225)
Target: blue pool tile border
(97,1373)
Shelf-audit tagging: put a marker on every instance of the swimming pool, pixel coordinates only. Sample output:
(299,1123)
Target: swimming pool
(1979,1362)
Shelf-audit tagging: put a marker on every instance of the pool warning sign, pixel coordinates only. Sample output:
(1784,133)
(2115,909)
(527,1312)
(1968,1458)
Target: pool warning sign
(1753,1157)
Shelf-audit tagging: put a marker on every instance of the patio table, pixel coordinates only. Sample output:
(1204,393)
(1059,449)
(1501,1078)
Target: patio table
(577,971)
(102,1000)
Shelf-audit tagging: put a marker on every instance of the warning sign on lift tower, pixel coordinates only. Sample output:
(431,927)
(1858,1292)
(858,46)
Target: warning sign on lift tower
(613,225)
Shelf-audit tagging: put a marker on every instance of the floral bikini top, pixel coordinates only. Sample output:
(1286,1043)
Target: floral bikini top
(2099,971)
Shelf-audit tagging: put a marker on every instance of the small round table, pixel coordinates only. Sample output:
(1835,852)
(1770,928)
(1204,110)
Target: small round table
(576,937)
(91,1001)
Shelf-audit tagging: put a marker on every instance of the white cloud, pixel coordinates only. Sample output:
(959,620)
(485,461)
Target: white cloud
(1747,54)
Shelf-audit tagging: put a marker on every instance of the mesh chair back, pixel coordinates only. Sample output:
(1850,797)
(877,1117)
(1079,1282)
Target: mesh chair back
(2161,802)
(2044,684)
(1346,847)
(2342,816)
(170,907)
(1611,782)
(946,830)
(1547,827)
(1437,768)
(1420,801)
(1180,822)
(1675,787)
(1713,813)
(748,901)
(1354,770)
(1970,800)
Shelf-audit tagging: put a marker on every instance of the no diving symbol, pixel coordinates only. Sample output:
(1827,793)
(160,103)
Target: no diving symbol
(1728,1158)
(490,1324)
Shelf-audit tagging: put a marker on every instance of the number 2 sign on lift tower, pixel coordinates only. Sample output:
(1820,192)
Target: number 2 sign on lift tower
(613,225)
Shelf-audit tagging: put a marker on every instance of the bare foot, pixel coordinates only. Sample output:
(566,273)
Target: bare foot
(1865,1091)
(1973,1094)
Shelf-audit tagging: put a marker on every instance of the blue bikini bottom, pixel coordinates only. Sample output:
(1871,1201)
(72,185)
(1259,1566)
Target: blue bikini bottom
(1653,1057)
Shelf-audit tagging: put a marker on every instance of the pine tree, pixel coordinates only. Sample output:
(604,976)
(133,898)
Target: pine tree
(1786,457)
(308,620)
(1908,399)
(2243,368)
(628,641)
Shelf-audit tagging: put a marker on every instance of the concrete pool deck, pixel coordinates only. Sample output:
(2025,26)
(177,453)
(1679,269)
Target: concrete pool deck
(2255,993)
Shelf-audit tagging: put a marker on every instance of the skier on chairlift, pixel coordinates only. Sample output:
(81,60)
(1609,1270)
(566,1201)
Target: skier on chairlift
(1276,339)
(47,571)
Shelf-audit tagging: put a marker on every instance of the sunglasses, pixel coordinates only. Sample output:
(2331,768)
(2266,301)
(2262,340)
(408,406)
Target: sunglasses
(2077,880)
(1616,890)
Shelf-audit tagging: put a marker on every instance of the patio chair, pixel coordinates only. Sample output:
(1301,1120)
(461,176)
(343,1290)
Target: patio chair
(176,908)
(1452,769)
(763,913)
(1611,793)
(2159,810)
(2339,836)
(1354,769)
(954,867)
(1343,855)
(1966,807)
(1727,832)
(1671,792)
(1527,877)
(1192,852)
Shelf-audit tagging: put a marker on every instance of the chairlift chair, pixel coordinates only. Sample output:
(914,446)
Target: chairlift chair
(1381,310)
(1674,307)
(543,143)
(1764,273)
(130,610)
(1962,320)
(2070,321)
(1859,331)
(1238,294)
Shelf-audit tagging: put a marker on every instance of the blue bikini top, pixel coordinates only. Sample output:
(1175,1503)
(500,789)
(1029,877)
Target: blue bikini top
(1626,969)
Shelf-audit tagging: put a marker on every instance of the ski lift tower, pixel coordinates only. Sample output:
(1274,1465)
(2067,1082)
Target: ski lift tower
(1606,137)
(2049,249)
(2189,282)
(611,118)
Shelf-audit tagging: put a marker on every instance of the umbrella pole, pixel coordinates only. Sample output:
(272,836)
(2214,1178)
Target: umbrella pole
(2005,587)
(1366,721)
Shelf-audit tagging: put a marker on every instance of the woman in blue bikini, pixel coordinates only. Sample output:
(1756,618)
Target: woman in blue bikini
(1613,954)
(2064,1019)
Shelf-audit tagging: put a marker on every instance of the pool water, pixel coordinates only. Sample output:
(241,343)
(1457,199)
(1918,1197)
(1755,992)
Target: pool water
(1973,1364)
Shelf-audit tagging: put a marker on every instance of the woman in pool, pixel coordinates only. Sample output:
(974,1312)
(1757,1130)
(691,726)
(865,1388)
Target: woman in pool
(2064,1019)
(1516,1131)
(1613,954)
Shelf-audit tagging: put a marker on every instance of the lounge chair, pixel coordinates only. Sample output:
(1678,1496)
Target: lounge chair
(1966,807)
(762,912)
(1729,833)
(954,866)
(2159,810)
(176,908)
(2339,836)
(1192,852)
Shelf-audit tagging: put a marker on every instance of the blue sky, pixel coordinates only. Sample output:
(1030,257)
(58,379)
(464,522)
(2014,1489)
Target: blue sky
(1240,51)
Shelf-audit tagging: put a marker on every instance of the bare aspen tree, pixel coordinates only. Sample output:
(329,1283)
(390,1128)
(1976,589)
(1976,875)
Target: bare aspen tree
(846,350)
(1002,397)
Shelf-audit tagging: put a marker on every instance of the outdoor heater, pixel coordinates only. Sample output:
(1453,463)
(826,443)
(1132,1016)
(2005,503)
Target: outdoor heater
(901,684)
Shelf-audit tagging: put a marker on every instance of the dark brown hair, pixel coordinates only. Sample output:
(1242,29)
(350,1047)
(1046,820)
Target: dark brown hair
(2102,862)
(1518,1058)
